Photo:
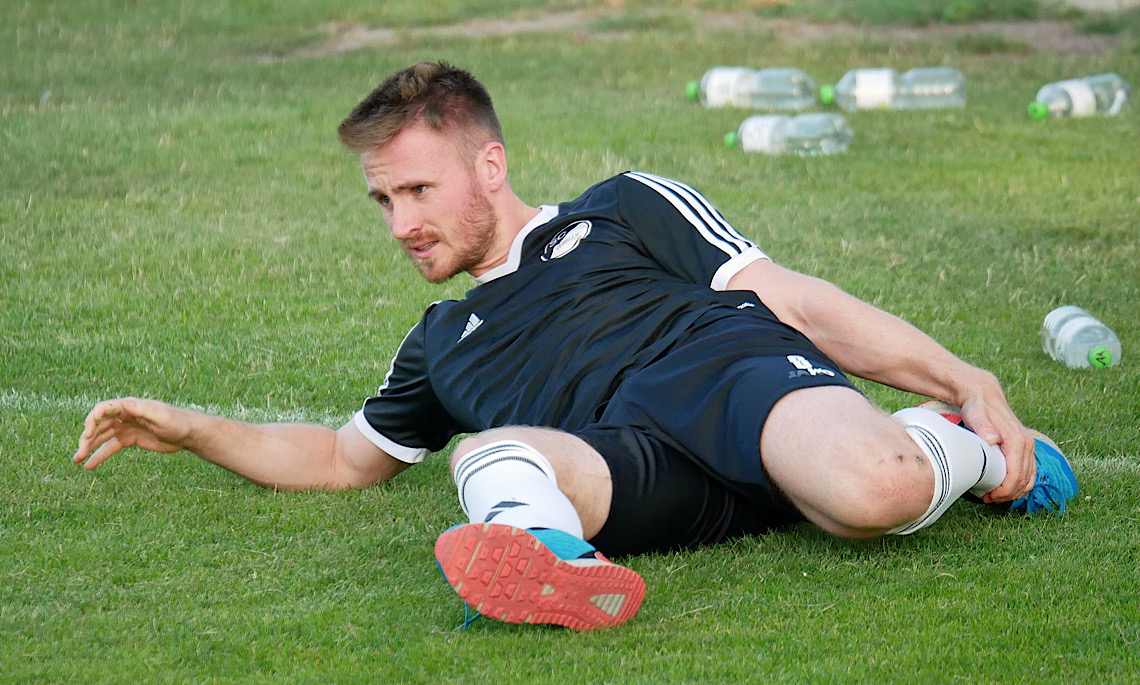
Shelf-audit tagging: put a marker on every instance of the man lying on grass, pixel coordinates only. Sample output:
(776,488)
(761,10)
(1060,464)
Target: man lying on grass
(633,375)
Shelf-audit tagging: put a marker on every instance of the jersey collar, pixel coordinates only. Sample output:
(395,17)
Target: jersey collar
(545,214)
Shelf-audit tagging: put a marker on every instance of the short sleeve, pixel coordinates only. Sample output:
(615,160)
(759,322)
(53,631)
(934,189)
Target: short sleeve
(683,232)
(405,418)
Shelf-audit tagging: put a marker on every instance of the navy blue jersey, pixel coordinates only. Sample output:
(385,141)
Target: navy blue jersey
(593,290)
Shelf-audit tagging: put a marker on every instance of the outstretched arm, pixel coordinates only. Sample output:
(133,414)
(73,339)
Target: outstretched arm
(284,456)
(870,343)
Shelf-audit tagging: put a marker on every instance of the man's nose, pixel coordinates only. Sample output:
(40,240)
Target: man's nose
(403,221)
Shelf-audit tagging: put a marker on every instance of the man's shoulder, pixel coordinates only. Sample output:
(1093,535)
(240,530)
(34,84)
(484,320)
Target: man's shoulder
(617,191)
(625,180)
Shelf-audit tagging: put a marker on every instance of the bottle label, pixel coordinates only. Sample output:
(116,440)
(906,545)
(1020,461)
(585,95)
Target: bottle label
(1081,95)
(756,134)
(873,88)
(1100,357)
(720,86)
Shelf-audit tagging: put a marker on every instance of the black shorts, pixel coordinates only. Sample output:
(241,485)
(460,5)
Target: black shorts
(682,436)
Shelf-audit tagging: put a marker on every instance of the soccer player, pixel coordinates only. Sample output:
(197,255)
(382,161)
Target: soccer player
(630,373)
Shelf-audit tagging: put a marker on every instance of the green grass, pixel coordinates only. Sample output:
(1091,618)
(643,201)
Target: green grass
(177,221)
(913,12)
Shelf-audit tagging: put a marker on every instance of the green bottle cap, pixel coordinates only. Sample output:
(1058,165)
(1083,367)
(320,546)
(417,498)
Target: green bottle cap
(1038,110)
(827,94)
(730,139)
(1100,357)
(692,90)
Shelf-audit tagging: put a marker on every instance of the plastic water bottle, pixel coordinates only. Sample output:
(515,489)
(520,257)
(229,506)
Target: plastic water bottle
(806,134)
(1075,338)
(1104,94)
(771,88)
(922,88)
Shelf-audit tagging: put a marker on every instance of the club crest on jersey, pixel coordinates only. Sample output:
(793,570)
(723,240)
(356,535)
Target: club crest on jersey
(566,240)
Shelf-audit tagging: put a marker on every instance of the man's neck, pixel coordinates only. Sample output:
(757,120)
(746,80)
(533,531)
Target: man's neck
(511,222)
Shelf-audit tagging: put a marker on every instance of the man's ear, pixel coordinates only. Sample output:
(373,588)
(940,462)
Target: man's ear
(491,165)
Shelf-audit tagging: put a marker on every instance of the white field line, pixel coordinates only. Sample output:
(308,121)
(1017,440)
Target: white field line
(12,400)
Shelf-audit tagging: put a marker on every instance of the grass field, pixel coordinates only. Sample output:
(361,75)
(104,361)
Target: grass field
(177,221)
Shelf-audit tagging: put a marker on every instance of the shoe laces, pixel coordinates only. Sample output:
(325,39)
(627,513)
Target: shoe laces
(1055,485)
(468,616)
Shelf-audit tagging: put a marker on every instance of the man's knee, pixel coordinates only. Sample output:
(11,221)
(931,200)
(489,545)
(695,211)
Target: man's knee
(875,486)
(890,484)
(574,466)
(473,442)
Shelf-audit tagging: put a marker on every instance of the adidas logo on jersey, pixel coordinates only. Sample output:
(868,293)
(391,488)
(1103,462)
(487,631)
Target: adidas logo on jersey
(473,322)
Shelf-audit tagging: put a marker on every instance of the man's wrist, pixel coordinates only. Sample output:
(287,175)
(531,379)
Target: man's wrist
(972,383)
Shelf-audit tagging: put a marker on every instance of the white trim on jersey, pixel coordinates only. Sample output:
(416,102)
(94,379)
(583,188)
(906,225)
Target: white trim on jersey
(700,213)
(408,455)
(734,266)
(514,258)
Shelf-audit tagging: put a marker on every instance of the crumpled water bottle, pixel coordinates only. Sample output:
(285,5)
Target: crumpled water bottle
(806,134)
(770,88)
(1103,94)
(1078,340)
(922,88)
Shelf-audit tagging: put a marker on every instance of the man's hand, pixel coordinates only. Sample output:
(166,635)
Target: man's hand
(987,413)
(131,422)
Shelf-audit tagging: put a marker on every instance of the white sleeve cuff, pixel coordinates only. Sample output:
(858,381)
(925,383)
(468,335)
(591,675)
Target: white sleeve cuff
(734,266)
(409,455)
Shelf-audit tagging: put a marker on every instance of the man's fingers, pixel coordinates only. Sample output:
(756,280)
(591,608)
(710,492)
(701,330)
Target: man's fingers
(103,432)
(105,451)
(101,412)
(1021,468)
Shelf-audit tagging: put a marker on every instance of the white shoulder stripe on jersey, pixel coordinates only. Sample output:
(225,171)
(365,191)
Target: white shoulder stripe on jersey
(698,211)
(714,218)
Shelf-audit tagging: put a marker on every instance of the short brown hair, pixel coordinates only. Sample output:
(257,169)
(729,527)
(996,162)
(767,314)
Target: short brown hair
(436,93)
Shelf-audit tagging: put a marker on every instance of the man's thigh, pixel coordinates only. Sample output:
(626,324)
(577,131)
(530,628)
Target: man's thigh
(713,396)
(844,463)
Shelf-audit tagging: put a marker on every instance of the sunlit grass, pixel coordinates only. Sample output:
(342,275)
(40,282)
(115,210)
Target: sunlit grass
(178,221)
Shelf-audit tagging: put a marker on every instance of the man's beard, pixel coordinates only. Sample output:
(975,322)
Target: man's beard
(473,239)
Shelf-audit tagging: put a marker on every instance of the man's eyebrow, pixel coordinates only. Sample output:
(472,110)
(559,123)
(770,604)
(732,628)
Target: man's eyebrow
(373,193)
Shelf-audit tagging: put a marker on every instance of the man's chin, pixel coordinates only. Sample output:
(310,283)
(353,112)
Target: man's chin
(435,276)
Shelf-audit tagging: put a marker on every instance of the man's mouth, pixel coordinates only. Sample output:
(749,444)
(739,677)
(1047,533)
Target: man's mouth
(422,250)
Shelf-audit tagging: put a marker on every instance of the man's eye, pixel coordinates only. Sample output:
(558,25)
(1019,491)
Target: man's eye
(420,190)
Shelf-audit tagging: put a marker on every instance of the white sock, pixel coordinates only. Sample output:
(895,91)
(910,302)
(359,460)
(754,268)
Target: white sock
(962,462)
(510,482)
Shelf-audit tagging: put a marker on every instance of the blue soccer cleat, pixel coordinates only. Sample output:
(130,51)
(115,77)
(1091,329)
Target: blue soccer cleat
(537,576)
(1056,483)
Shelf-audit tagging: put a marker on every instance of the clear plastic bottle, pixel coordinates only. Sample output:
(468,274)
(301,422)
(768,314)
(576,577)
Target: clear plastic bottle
(770,88)
(922,88)
(1078,340)
(1104,94)
(806,134)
